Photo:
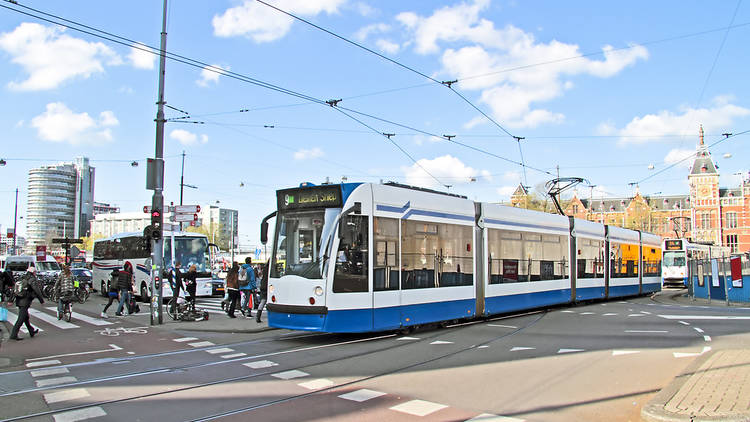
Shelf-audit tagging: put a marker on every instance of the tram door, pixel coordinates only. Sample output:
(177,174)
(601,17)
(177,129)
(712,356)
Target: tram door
(386,274)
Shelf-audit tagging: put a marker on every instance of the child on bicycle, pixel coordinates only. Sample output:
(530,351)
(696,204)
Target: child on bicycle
(63,290)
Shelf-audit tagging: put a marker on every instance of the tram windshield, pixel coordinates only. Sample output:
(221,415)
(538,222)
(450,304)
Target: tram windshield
(302,237)
(676,259)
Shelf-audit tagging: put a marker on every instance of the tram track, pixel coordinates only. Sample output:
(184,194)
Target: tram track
(194,387)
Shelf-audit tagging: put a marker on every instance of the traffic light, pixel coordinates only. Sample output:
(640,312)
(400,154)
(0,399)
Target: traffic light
(156,220)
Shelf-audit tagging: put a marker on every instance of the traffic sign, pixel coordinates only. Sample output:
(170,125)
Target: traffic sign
(185,209)
(147,209)
(184,217)
(66,240)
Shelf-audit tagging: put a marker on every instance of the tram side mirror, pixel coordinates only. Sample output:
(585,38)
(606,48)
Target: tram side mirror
(264,232)
(354,209)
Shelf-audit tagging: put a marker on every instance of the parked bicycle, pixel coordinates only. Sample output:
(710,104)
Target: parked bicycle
(181,310)
(81,292)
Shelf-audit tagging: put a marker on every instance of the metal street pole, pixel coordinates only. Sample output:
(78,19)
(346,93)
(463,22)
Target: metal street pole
(157,201)
(15,219)
(182,186)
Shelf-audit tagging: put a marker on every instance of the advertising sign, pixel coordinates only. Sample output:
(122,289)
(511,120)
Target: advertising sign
(510,270)
(41,253)
(714,272)
(735,264)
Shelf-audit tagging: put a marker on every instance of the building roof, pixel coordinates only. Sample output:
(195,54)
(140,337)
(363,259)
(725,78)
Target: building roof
(703,164)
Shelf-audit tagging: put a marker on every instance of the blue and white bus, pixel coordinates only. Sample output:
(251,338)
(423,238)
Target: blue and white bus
(360,257)
(188,248)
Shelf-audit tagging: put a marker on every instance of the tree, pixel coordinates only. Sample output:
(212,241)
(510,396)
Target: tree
(215,234)
(88,241)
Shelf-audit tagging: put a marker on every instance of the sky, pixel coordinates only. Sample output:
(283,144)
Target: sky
(612,92)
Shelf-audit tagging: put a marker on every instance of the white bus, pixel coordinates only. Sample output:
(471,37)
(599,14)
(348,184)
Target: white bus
(188,248)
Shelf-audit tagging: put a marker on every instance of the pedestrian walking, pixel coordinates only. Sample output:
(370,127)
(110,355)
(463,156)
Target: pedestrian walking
(112,291)
(263,291)
(246,278)
(191,284)
(125,286)
(233,288)
(26,290)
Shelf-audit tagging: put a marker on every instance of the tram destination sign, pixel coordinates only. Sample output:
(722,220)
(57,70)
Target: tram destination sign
(326,196)
(673,245)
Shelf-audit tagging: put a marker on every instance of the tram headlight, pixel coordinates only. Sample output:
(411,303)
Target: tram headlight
(318,291)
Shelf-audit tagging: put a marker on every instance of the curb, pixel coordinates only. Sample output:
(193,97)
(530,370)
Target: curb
(655,410)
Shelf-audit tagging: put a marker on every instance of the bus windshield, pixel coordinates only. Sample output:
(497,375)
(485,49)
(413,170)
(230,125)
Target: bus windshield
(301,242)
(189,251)
(674,259)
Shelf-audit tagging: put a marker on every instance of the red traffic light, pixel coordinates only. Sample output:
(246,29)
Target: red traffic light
(156,213)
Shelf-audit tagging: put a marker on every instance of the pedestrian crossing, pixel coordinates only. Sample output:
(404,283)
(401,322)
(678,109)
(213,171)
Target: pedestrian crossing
(213,305)
(45,319)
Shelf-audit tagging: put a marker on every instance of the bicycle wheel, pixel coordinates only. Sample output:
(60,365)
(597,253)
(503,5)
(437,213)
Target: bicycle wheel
(82,294)
(47,291)
(68,311)
(173,309)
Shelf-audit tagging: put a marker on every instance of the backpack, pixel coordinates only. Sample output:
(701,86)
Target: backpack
(21,287)
(243,280)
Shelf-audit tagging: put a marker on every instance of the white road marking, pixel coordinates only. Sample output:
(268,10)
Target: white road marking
(503,326)
(487,417)
(441,342)
(406,338)
(609,314)
(361,395)
(201,344)
(647,331)
(219,351)
(42,363)
(635,315)
(624,352)
(516,349)
(65,395)
(686,355)
(13,317)
(80,414)
(706,338)
(316,384)
(84,318)
(49,371)
(568,312)
(52,320)
(261,364)
(484,346)
(235,355)
(184,339)
(684,323)
(570,350)
(586,313)
(647,313)
(705,317)
(290,374)
(55,381)
(113,347)
(698,330)
(418,407)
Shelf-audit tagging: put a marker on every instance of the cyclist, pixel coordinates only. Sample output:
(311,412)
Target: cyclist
(63,290)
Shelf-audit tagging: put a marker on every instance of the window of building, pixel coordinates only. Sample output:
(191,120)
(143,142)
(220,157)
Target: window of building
(731,220)
(732,243)
(705,220)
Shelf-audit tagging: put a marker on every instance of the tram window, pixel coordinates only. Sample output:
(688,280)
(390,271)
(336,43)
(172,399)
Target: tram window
(351,258)
(590,258)
(623,260)
(439,256)
(516,257)
(385,270)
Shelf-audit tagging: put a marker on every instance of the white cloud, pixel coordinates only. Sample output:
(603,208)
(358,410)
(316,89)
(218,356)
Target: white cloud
(424,139)
(677,155)
(365,9)
(606,129)
(187,138)
(366,31)
(264,24)
(387,47)
(308,154)
(512,95)
(448,169)
(60,124)
(506,191)
(51,58)
(141,57)
(210,74)
(686,122)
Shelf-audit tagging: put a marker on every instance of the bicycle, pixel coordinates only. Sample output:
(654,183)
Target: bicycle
(67,313)
(81,293)
(185,311)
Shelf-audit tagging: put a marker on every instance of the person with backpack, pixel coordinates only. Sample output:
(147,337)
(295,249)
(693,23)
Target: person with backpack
(125,285)
(246,278)
(112,293)
(64,290)
(25,289)
(191,284)
(233,288)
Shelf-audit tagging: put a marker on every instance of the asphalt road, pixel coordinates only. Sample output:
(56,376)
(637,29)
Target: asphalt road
(600,361)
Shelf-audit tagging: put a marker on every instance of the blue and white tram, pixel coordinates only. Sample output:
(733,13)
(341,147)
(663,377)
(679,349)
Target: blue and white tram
(371,257)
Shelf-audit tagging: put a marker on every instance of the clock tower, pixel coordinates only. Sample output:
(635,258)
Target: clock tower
(704,196)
